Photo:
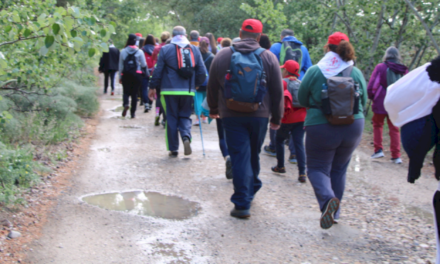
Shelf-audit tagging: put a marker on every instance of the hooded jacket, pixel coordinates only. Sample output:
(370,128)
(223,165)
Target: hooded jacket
(292,114)
(166,77)
(109,60)
(273,102)
(377,86)
(140,59)
(306,62)
(148,51)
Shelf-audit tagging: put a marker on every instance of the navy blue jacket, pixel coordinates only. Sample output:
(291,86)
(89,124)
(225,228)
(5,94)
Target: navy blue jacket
(168,80)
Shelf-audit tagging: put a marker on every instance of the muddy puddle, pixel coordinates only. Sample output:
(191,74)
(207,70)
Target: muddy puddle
(146,203)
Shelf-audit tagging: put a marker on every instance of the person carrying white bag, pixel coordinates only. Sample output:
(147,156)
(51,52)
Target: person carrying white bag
(413,104)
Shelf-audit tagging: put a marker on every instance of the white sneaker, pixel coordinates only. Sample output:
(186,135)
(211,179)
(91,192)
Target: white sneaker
(378,154)
(397,161)
(196,123)
(205,120)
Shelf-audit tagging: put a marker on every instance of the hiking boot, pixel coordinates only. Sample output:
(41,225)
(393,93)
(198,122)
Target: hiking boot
(270,152)
(242,214)
(229,174)
(279,170)
(302,178)
(396,161)
(187,146)
(173,154)
(147,108)
(327,219)
(292,159)
(378,154)
(156,121)
(124,113)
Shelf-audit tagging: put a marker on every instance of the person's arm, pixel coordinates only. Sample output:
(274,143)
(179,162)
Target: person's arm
(373,83)
(306,60)
(304,89)
(121,66)
(101,63)
(212,89)
(275,49)
(143,62)
(276,91)
(200,70)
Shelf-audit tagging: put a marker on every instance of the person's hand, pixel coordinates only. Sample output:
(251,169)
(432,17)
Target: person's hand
(274,127)
(214,116)
(152,94)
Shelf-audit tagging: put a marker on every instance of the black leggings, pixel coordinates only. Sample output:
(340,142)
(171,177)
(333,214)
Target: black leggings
(131,85)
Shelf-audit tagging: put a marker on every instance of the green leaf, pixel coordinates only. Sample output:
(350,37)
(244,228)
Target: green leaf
(73,33)
(15,17)
(104,47)
(56,28)
(27,33)
(48,42)
(3,62)
(103,33)
(8,28)
(92,52)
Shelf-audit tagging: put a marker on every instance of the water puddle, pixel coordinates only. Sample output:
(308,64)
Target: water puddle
(117,109)
(146,203)
(131,127)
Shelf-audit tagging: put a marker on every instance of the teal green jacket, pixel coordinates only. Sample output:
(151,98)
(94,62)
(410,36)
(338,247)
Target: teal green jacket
(311,86)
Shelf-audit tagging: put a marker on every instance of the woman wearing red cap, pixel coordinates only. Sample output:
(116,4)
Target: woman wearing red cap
(329,147)
(292,122)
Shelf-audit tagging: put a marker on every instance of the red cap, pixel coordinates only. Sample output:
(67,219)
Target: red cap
(291,67)
(252,26)
(219,39)
(336,38)
(139,35)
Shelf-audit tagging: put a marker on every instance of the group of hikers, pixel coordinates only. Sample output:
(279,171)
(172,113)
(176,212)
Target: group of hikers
(247,85)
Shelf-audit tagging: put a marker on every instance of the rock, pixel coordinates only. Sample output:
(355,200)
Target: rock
(14,234)
(6,223)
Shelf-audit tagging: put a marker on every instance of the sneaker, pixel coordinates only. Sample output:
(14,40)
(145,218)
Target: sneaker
(229,174)
(124,113)
(293,160)
(113,93)
(327,219)
(378,154)
(279,170)
(205,120)
(196,123)
(156,121)
(396,161)
(242,214)
(187,146)
(147,108)
(270,152)
(302,178)
(173,154)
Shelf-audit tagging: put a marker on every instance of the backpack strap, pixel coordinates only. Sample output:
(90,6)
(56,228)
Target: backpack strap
(347,72)
(259,51)
(233,50)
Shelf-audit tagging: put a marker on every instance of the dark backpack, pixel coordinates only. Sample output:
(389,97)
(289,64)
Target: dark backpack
(185,62)
(130,64)
(392,77)
(340,98)
(293,88)
(245,81)
(290,51)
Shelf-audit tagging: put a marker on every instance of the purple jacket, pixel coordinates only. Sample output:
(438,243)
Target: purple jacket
(378,84)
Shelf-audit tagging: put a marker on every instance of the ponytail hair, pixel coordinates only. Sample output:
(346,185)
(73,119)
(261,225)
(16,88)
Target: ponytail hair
(345,50)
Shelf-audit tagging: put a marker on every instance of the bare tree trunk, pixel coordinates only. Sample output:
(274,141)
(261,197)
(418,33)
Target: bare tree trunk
(402,28)
(421,56)
(376,38)
(428,30)
(414,59)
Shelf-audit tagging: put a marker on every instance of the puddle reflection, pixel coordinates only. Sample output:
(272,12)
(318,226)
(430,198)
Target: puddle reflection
(146,203)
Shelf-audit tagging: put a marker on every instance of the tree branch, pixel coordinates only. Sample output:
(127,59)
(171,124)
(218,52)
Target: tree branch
(428,30)
(21,39)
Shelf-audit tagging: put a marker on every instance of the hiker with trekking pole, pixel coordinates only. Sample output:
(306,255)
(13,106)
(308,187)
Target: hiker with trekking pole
(179,70)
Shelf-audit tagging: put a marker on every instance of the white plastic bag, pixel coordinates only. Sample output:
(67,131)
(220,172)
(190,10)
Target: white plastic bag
(412,97)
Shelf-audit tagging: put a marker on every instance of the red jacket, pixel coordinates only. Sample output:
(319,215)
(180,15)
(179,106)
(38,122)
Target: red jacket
(156,51)
(292,114)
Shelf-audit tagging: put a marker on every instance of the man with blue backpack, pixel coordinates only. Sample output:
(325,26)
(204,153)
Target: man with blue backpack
(244,89)
(179,70)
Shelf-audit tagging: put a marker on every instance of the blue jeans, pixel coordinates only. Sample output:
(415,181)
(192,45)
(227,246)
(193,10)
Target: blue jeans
(244,137)
(296,132)
(145,89)
(272,137)
(222,138)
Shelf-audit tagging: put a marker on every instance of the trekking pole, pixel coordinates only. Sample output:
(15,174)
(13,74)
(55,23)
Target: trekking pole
(200,123)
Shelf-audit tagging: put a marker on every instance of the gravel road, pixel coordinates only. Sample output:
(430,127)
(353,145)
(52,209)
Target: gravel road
(384,219)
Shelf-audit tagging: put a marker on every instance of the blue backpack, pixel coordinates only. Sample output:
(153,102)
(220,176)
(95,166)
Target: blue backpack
(245,81)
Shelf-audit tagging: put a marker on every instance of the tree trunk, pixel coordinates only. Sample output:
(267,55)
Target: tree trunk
(376,38)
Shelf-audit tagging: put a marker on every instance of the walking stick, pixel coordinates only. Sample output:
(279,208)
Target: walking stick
(200,122)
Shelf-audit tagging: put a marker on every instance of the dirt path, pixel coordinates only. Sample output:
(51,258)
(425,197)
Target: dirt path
(384,219)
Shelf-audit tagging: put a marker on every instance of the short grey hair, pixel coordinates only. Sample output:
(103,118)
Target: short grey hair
(237,39)
(287,32)
(179,30)
(194,35)
(393,54)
